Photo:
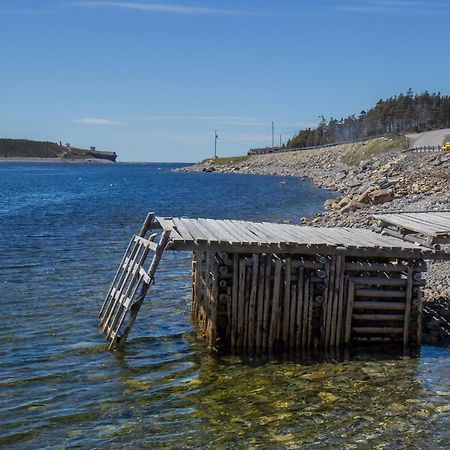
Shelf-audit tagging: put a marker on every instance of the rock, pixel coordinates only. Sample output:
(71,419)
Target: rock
(381,196)
(352,206)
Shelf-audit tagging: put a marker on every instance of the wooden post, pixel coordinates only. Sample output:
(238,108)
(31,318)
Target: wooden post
(409,293)
(252,304)
(240,315)
(349,313)
(287,301)
(275,319)
(267,303)
(260,306)
(214,302)
(300,307)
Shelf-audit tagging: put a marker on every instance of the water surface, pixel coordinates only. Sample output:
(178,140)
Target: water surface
(63,230)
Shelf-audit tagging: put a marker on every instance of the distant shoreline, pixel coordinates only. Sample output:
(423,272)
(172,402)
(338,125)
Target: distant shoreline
(12,159)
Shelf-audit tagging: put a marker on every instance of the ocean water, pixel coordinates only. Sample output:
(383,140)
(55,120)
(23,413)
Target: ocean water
(63,229)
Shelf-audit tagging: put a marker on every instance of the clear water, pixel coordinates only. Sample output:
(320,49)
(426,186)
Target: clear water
(63,229)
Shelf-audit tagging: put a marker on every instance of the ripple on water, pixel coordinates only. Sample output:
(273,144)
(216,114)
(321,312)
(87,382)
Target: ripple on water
(66,227)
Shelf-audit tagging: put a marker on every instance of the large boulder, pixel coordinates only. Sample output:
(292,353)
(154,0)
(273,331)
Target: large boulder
(380,196)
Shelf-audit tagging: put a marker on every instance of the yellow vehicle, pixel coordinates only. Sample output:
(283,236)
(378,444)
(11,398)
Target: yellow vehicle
(446,147)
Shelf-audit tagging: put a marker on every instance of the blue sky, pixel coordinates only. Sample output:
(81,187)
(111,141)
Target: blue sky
(152,80)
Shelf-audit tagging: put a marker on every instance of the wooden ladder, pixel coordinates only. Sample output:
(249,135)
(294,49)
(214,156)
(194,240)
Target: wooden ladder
(131,284)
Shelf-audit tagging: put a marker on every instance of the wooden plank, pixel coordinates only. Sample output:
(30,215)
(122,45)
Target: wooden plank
(247,236)
(232,235)
(286,301)
(252,304)
(306,298)
(419,317)
(263,235)
(310,315)
(334,313)
(182,230)
(147,242)
(195,230)
(381,267)
(329,301)
(340,313)
(121,282)
(248,280)
(112,313)
(379,293)
(378,281)
(214,302)
(267,304)
(422,223)
(372,305)
(213,227)
(300,307)
(378,330)
(234,300)
(202,230)
(260,305)
(275,319)
(292,316)
(113,287)
(378,317)
(409,294)
(404,253)
(241,305)
(349,314)
(323,326)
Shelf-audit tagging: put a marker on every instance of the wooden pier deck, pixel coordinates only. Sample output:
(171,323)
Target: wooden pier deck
(239,235)
(426,227)
(259,287)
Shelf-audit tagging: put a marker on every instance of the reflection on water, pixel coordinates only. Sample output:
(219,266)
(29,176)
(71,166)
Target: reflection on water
(59,387)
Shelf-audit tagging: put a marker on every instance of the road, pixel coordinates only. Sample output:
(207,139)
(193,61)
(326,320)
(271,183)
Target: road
(428,138)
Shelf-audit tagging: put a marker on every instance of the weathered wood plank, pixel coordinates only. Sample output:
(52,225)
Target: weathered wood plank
(252,304)
(349,314)
(409,295)
(286,301)
(388,306)
(234,300)
(275,319)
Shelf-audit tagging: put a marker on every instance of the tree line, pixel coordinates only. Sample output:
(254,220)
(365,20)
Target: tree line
(28,148)
(400,114)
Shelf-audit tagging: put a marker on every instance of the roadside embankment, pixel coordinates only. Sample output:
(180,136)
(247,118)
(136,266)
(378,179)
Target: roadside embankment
(371,176)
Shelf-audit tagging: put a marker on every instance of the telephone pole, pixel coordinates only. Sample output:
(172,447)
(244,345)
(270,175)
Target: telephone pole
(215,143)
(273,135)
(280,140)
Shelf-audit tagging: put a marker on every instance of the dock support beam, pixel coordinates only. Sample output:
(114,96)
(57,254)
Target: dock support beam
(264,303)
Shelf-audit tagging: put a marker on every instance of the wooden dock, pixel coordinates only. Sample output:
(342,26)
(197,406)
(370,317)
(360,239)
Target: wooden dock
(424,227)
(264,287)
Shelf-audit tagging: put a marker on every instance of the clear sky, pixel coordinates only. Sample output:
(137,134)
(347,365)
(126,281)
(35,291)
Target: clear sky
(152,80)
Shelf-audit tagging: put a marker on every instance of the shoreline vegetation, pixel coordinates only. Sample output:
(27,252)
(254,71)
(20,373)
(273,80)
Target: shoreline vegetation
(372,176)
(25,150)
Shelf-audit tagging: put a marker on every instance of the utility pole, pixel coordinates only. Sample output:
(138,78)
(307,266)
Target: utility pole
(215,143)
(280,140)
(273,135)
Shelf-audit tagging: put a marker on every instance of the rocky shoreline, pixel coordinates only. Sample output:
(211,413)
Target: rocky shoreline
(394,180)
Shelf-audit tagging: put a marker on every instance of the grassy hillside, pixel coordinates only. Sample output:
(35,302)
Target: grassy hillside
(25,148)
(363,151)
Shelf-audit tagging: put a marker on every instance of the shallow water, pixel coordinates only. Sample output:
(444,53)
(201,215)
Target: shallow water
(63,229)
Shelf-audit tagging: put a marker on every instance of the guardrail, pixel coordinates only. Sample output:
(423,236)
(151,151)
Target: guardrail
(260,151)
(424,149)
